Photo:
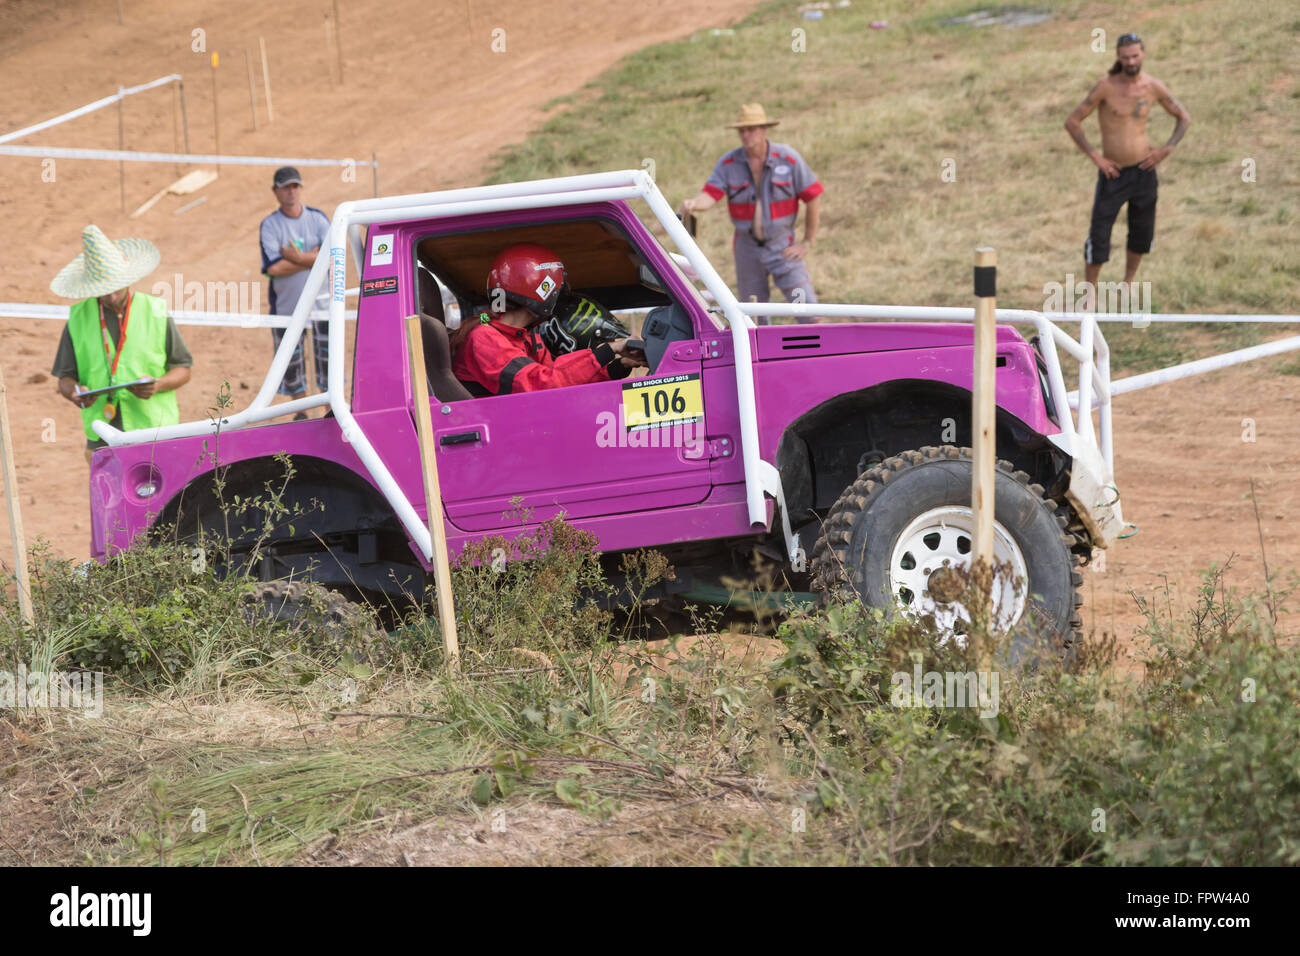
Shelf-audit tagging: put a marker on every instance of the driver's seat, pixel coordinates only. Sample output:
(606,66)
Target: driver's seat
(437,344)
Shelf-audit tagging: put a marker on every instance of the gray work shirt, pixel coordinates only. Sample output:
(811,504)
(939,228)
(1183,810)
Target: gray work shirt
(308,231)
(787,178)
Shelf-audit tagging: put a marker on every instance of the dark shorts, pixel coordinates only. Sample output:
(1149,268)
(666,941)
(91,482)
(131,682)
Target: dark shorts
(1134,186)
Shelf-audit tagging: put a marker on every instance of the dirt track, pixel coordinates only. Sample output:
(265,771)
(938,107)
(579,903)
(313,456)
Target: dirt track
(425,92)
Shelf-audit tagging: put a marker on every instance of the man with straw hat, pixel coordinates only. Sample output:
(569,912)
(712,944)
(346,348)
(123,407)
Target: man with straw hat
(763,183)
(116,337)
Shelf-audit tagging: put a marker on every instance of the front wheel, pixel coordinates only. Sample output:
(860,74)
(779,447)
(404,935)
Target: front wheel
(323,621)
(901,535)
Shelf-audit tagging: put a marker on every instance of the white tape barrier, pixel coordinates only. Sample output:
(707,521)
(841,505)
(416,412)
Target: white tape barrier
(132,156)
(238,320)
(1138,318)
(1198,367)
(90,107)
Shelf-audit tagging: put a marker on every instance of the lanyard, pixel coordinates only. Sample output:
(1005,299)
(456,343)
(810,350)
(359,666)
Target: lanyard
(121,337)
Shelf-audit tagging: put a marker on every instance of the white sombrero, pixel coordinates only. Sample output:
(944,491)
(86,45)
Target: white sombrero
(104,265)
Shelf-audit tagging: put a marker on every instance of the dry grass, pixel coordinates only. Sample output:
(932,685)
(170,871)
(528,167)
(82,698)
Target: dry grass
(585,769)
(306,778)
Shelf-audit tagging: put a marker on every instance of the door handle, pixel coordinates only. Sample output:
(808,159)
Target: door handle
(460,438)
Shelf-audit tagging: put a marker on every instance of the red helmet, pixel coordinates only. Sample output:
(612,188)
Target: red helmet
(530,275)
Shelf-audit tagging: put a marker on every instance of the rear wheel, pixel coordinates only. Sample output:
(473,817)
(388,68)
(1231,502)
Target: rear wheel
(900,537)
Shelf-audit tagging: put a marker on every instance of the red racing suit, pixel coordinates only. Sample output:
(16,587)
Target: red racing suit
(498,359)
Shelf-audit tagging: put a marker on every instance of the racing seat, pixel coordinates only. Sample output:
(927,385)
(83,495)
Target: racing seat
(437,345)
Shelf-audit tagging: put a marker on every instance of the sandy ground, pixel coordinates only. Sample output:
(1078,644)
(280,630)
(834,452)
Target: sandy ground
(426,93)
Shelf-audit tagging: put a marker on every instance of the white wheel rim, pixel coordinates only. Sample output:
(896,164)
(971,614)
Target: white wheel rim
(942,537)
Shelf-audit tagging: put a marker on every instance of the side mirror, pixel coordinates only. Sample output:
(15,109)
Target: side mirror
(646,276)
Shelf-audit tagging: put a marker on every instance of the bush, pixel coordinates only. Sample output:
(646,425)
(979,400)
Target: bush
(538,592)
(1195,765)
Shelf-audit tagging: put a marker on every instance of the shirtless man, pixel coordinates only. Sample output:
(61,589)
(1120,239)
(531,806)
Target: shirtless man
(1126,162)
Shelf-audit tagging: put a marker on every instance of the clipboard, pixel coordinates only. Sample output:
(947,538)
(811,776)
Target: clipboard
(92,393)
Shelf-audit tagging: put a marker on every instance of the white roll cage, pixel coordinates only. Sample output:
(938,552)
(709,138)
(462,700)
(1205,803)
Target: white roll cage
(1092,471)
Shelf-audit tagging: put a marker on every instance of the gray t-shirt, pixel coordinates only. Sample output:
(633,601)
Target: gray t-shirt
(309,231)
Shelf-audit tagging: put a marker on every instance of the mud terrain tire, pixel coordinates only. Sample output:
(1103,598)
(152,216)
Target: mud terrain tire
(852,557)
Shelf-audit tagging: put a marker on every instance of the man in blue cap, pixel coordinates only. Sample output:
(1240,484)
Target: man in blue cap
(291,238)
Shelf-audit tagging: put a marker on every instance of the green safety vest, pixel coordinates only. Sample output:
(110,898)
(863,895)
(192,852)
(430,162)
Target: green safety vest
(144,354)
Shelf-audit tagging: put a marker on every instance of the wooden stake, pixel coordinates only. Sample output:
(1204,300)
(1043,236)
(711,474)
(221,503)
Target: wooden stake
(432,491)
(252,89)
(329,41)
(308,356)
(983,441)
(149,203)
(266,81)
(216,114)
(338,40)
(15,510)
(185,116)
(121,143)
(176,128)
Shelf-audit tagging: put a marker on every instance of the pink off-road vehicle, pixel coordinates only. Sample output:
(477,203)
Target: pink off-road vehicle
(835,449)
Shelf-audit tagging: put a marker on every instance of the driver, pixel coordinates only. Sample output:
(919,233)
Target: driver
(503,353)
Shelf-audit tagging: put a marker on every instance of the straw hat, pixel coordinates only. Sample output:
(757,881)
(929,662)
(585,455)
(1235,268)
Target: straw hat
(752,114)
(104,265)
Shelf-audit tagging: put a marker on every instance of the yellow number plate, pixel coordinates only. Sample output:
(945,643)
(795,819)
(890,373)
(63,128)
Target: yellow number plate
(662,402)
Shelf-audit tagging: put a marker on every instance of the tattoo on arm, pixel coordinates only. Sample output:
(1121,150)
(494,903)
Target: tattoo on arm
(1179,129)
(1175,109)
(1081,112)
